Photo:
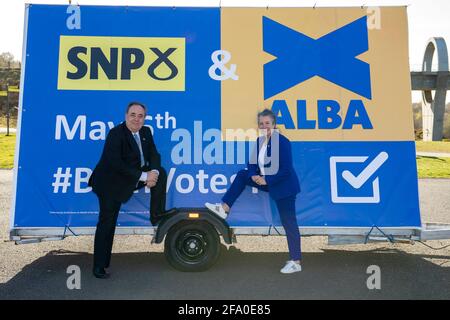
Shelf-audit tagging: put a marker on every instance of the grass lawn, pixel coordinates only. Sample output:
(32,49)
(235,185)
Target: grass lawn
(433,167)
(433,146)
(7,148)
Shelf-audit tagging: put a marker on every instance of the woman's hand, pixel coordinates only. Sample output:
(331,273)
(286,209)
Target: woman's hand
(259,180)
(256,179)
(262,181)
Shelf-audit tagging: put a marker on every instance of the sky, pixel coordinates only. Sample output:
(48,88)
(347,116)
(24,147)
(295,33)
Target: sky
(426,18)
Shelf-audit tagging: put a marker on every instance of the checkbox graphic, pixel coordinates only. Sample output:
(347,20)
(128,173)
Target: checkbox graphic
(356,182)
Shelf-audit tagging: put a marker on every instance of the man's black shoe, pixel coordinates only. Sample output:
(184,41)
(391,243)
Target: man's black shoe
(100,273)
(154,221)
(168,212)
(157,218)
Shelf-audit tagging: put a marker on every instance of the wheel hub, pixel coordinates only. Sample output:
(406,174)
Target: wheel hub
(192,245)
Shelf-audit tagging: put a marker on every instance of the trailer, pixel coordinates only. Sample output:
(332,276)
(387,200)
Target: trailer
(337,78)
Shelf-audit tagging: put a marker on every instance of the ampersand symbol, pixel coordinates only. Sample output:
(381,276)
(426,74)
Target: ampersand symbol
(220,64)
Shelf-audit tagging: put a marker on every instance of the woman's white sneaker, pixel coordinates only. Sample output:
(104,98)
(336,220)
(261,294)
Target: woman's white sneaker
(291,267)
(217,209)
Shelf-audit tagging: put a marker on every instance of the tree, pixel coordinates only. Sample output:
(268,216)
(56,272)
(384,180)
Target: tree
(447,121)
(417,115)
(9,76)
(7,61)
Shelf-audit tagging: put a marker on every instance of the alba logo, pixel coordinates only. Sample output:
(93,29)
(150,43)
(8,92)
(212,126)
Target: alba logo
(121,63)
(331,57)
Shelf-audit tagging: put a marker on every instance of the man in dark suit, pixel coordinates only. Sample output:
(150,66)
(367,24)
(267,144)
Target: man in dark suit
(129,161)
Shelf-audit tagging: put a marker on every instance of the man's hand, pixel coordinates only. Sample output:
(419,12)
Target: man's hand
(152,179)
(259,180)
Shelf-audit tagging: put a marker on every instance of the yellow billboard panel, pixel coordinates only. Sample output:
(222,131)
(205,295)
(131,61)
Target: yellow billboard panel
(330,74)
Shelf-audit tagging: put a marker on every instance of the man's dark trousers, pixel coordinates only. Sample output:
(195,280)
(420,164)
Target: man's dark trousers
(109,212)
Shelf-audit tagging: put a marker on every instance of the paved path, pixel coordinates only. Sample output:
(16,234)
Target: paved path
(433,154)
(4,130)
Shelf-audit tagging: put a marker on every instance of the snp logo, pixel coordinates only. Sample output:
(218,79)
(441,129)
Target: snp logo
(121,63)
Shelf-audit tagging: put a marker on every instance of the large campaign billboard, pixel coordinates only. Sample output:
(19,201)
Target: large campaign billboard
(337,79)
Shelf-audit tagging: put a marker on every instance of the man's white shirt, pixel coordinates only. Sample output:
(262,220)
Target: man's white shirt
(144,175)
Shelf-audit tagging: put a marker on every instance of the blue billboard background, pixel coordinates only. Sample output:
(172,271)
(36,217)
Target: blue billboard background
(53,170)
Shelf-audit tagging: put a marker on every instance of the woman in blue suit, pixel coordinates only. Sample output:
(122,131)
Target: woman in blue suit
(280,181)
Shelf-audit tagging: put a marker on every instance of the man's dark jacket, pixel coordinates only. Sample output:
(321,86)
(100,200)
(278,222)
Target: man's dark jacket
(119,169)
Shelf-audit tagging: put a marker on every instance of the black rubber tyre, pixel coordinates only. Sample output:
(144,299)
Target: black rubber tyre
(192,246)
